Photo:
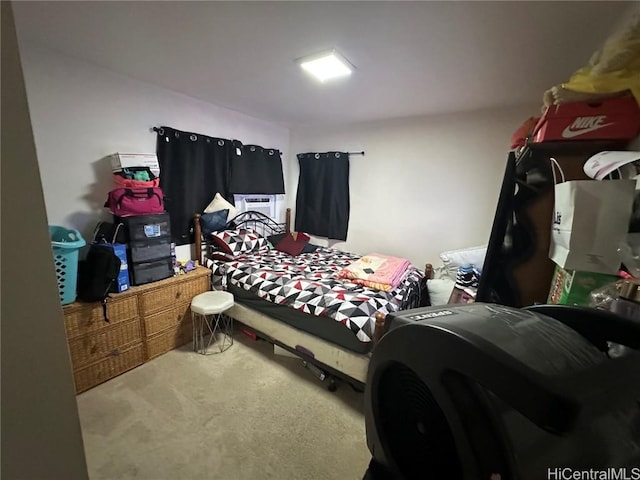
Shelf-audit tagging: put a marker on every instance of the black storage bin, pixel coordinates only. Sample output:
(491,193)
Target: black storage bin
(148,272)
(146,227)
(148,250)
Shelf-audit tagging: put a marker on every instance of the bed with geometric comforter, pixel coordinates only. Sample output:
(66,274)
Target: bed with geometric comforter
(308,283)
(297,301)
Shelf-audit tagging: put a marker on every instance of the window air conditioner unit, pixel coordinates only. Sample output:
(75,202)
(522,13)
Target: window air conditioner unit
(265,204)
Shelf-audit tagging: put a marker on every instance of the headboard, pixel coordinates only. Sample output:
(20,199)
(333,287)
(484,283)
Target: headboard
(251,220)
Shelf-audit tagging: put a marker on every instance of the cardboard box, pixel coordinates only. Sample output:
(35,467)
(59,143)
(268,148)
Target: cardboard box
(125,160)
(122,283)
(572,287)
(611,119)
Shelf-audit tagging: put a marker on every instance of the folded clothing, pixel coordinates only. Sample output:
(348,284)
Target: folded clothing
(377,271)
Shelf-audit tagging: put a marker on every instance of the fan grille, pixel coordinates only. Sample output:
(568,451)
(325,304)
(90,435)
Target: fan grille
(414,428)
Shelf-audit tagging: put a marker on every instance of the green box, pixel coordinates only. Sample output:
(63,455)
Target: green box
(572,287)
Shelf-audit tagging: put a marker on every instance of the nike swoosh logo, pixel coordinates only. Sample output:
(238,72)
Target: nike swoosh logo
(568,133)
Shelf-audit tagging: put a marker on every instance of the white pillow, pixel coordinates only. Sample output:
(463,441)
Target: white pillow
(440,290)
(455,259)
(219,203)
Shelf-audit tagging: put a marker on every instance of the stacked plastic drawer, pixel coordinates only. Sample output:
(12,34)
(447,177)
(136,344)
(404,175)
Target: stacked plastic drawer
(149,252)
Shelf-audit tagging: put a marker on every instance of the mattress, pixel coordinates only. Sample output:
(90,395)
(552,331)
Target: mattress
(322,327)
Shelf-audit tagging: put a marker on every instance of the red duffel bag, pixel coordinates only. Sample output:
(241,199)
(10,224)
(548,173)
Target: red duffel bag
(135,201)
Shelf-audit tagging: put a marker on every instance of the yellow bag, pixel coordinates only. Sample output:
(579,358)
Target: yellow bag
(615,67)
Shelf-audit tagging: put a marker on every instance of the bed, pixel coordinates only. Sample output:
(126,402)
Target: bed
(296,301)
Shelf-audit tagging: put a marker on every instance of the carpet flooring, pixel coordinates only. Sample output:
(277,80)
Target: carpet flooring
(242,414)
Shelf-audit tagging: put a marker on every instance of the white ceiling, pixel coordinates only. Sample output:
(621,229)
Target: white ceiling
(412,58)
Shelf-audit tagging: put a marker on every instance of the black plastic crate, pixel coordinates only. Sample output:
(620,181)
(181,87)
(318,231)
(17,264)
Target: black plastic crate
(148,272)
(146,227)
(148,250)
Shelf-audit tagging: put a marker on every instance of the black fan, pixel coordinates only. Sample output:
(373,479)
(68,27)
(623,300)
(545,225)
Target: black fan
(483,391)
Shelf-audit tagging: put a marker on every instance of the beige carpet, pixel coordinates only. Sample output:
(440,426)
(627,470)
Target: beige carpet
(242,414)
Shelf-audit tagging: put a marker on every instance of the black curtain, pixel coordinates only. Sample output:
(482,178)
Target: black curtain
(193,168)
(322,202)
(257,170)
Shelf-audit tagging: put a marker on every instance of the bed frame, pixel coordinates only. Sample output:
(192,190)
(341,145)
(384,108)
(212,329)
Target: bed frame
(336,361)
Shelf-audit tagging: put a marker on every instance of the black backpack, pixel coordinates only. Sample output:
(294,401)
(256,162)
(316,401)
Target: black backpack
(97,274)
(106,232)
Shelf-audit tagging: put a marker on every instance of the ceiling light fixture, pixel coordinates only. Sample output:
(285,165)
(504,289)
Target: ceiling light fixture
(326,65)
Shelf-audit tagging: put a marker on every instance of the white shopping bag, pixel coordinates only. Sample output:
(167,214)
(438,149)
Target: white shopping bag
(590,219)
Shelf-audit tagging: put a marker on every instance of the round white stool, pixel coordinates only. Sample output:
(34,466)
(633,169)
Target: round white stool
(207,313)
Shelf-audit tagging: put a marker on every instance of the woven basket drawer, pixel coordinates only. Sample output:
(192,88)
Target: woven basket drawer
(81,319)
(173,317)
(96,346)
(114,365)
(165,297)
(168,340)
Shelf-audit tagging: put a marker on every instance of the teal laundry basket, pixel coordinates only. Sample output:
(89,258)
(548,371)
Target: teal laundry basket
(66,244)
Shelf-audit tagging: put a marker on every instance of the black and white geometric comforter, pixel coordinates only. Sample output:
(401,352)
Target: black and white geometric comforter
(307,283)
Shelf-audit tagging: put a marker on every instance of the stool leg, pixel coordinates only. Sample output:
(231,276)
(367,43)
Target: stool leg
(217,324)
(202,319)
(195,320)
(194,330)
(203,334)
(227,331)
(211,326)
(199,322)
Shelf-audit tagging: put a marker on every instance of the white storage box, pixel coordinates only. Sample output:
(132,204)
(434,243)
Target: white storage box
(126,160)
(277,350)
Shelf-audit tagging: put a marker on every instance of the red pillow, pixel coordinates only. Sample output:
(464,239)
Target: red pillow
(292,243)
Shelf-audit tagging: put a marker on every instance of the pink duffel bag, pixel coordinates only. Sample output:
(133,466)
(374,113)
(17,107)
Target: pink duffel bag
(135,201)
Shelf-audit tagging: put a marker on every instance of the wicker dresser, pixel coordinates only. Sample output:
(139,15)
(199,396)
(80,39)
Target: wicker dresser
(164,310)
(144,322)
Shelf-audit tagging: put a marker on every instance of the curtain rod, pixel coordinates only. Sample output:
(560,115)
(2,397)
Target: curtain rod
(157,129)
(336,151)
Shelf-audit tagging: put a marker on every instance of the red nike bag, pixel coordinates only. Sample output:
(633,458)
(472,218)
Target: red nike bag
(135,201)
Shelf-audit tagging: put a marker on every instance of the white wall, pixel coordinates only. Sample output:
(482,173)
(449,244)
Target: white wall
(424,185)
(435,180)
(81,113)
(41,436)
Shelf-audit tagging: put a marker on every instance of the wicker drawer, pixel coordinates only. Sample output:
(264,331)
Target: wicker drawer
(173,317)
(169,339)
(96,346)
(81,319)
(119,362)
(167,296)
